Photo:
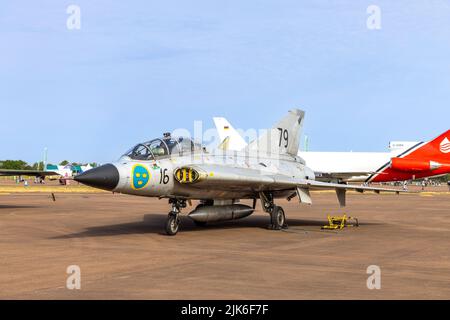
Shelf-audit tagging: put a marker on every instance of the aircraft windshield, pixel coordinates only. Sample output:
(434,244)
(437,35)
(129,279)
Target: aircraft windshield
(161,148)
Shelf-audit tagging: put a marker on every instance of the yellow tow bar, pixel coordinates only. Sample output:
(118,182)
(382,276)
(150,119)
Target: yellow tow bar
(339,222)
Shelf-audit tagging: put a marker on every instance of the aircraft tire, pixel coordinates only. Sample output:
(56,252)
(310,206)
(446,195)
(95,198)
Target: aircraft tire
(172,225)
(278,218)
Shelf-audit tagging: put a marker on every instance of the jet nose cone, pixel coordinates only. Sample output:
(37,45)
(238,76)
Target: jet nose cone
(105,177)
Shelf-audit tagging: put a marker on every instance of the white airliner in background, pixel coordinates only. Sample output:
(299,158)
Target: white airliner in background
(405,160)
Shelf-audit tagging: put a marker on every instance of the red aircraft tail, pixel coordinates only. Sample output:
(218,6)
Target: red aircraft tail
(437,149)
(426,159)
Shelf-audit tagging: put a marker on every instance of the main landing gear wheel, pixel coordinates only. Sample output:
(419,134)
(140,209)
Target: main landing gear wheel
(277,218)
(172,224)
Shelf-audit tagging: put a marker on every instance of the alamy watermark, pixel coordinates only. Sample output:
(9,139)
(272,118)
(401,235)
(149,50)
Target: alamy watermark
(73,21)
(374,279)
(373,21)
(73,281)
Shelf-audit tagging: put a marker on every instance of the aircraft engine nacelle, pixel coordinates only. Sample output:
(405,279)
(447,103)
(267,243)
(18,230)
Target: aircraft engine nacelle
(205,213)
(413,165)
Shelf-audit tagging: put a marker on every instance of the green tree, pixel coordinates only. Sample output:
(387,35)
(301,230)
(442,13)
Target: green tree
(38,165)
(64,163)
(14,165)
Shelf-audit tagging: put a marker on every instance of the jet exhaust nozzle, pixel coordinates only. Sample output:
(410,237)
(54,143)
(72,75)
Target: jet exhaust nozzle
(220,213)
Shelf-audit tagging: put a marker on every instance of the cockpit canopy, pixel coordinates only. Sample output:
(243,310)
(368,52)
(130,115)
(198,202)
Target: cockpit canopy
(163,148)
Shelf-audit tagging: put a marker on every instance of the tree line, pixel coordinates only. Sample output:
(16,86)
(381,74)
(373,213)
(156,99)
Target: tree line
(23,165)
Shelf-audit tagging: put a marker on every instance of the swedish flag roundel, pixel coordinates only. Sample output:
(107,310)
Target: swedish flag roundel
(140,177)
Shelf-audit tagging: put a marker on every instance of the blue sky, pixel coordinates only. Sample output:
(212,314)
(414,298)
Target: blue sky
(136,69)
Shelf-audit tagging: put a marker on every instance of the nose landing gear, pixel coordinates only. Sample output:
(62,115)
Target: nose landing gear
(173,218)
(172,224)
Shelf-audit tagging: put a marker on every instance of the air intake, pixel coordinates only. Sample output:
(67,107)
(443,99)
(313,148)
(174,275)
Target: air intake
(186,175)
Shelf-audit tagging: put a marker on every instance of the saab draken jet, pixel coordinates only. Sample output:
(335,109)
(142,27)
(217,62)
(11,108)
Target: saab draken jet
(181,170)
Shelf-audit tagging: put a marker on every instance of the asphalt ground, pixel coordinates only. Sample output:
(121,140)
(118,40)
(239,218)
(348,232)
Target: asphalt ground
(118,241)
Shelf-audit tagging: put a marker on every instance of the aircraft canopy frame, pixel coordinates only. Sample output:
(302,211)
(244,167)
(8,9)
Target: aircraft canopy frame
(161,148)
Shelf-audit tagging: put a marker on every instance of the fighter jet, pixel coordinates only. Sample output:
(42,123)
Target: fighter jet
(181,170)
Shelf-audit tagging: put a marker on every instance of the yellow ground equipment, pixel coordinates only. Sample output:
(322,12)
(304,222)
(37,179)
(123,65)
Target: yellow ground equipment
(339,222)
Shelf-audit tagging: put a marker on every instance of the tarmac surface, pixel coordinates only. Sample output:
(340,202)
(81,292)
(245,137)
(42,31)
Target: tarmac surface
(118,242)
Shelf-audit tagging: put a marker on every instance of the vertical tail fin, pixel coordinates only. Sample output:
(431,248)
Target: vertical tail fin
(444,143)
(437,149)
(283,138)
(228,135)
